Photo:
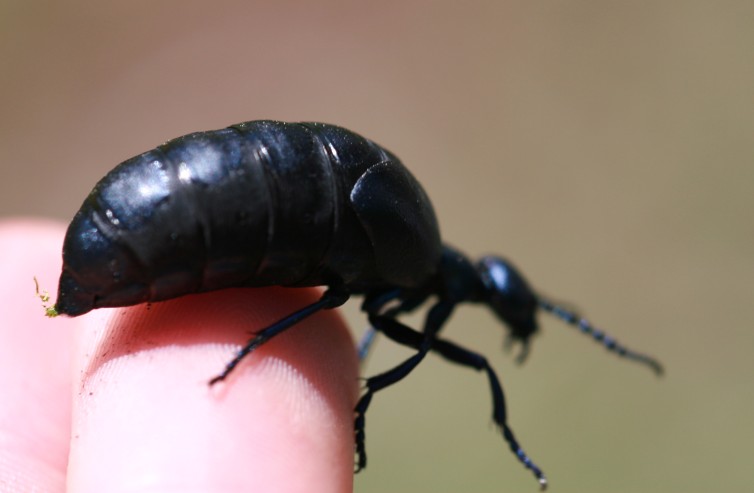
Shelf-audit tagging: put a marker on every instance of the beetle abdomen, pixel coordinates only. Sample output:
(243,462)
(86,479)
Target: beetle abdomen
(260,203)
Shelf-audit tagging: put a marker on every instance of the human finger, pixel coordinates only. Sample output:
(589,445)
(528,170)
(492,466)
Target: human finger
(146,420)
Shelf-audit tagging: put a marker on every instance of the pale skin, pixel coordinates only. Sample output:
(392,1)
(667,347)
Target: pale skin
(117,400)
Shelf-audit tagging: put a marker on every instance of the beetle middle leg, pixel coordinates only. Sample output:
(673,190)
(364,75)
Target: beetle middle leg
(333,297)
(375,303)
(394,329)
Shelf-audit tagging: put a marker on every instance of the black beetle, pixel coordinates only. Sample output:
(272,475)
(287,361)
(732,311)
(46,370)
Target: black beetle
(293,204)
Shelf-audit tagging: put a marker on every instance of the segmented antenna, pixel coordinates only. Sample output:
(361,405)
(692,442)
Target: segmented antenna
(600,336)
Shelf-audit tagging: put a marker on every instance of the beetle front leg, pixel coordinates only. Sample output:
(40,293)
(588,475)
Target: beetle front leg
(468,358)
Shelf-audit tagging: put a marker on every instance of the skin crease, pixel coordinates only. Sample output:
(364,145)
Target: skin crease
(117,400)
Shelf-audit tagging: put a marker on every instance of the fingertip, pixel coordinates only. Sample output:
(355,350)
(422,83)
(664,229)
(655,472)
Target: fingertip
(34,360)
(282,421)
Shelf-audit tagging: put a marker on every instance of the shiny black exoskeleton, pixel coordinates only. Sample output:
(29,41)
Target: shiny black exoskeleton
(293,204)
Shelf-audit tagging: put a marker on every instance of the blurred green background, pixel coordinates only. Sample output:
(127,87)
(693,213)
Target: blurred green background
(605,146)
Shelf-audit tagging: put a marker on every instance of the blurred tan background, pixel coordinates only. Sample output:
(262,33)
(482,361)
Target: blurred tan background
(605,146)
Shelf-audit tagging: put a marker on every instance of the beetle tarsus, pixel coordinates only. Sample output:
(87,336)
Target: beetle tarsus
(542,483)
(219,378)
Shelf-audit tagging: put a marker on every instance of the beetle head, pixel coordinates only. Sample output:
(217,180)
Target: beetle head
(513,301)
(508,295)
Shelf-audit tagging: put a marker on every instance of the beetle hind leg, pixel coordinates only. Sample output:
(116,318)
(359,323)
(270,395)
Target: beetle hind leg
(331,298)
